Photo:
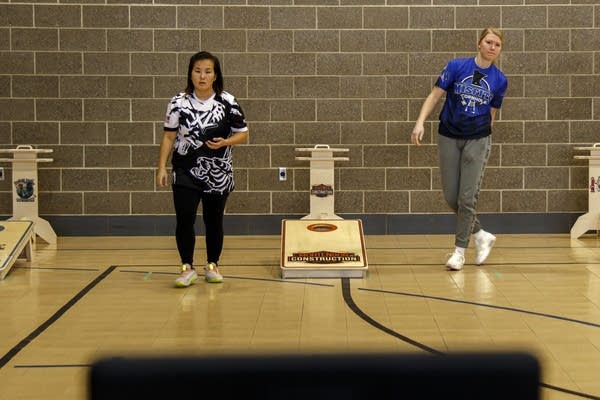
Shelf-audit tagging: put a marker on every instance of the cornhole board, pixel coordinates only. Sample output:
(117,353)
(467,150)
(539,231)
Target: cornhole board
(16,240)
(323,249)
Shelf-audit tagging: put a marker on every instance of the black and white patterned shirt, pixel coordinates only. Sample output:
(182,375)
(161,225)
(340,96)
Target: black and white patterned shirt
(197,121)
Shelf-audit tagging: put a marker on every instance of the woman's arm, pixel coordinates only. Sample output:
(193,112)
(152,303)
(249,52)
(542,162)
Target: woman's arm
(236,138)
(493,112)
(166,147)
(436,94)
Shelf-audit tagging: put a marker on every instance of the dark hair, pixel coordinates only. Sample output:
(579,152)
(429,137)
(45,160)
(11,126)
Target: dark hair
(205,55)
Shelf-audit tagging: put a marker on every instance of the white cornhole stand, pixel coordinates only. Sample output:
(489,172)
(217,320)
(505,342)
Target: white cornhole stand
(322,244)
(591,219)
(322,179)
(24,169)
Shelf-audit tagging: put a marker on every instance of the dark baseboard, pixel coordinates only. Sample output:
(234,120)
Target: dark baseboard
(373,224)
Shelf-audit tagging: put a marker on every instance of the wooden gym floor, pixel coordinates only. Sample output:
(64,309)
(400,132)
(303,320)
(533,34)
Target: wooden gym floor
(91,297)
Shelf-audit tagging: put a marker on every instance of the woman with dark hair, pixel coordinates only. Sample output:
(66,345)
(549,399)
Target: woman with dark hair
(474,88)
(200,128)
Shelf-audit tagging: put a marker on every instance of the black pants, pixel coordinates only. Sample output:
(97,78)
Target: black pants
(187,200)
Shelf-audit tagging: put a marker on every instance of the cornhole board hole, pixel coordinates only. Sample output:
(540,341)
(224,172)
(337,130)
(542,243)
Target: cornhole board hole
(16,240)
(323,249)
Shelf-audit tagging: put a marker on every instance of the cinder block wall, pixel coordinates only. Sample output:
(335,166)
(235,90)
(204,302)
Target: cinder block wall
(91,81)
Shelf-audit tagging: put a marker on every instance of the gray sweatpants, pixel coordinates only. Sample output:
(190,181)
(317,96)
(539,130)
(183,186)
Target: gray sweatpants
(462,163)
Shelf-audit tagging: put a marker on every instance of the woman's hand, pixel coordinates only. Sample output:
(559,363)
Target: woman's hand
(162,177)
(216,143)
(417,134)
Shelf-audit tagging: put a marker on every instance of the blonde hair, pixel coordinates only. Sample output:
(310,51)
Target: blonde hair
(493,31)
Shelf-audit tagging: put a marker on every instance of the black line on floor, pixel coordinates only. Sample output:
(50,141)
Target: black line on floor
(53,366)
(220,265)
(352,305)
(36,332)
(145,272)
(441,263)
(505,308)
(569,391)
(543,263)
(360,313)
(441,248)
(238,277)
(59,269)
(105,249)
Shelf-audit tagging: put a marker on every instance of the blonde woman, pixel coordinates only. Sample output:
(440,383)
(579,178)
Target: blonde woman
(474,88)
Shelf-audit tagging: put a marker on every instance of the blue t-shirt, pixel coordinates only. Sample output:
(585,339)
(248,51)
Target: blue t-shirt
(470,93)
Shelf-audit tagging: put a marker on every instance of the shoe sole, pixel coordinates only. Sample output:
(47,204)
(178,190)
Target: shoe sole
(211,276)
(183,285)
(488,254)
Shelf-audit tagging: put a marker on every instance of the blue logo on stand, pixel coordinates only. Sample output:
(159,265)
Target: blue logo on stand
(24,188)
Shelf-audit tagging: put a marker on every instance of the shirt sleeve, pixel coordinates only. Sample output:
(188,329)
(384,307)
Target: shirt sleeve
(237,120)
(499,94)
(446,78)
(172,115)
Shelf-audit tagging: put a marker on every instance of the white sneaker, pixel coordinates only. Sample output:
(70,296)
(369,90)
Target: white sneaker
(211,273)
(455,262)
(187,277)
(483,246)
